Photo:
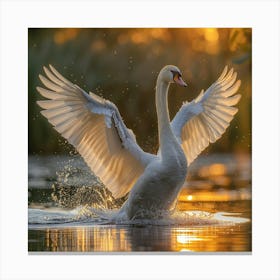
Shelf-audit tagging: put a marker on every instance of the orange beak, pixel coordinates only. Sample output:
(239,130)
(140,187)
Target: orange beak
(178,80)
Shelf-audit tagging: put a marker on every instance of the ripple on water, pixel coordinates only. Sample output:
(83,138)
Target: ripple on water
(82,216)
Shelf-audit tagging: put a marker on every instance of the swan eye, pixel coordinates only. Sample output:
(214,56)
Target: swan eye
(176,74)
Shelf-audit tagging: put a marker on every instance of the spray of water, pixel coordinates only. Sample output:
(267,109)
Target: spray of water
(76,186)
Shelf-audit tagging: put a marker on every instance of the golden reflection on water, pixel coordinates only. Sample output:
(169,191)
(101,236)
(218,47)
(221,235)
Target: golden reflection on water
(215,169)
(219,182)
(84,239)
(210,239)
(149,239)
(222,195)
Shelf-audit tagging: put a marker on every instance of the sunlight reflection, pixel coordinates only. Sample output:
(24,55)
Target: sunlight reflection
(83,239)
(186,238)
(211,34)
(219,195)
(216,169)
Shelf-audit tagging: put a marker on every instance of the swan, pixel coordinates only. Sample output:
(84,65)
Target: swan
(94,126)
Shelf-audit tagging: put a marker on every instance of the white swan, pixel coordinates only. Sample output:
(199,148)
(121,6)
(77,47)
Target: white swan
(95,128)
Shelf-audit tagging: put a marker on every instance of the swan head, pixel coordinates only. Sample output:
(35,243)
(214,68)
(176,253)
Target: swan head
(171,74)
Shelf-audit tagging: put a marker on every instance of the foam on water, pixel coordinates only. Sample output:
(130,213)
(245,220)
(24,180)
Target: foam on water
(88,216)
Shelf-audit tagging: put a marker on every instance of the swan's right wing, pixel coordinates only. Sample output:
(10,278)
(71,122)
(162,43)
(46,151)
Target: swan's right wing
(205,119)
(95,128)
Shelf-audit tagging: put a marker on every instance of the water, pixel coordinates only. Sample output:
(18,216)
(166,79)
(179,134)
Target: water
(70,211)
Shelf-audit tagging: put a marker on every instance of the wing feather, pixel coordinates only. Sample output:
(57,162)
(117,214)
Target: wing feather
(66,86)
(95,128)
(205,119)
(50,104)
(50,85)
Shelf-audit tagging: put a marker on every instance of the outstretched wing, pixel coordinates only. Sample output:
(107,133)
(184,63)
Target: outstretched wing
(205,119)
(95,128)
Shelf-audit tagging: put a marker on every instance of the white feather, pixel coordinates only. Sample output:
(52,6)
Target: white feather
(94,126)
(190,125)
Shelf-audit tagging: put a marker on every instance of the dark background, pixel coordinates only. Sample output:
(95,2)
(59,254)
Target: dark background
(122,64)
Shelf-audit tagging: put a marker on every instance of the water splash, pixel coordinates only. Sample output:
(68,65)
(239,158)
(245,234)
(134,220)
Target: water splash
(78,187)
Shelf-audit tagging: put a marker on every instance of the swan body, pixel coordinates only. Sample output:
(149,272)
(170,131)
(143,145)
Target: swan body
(95,128)
(158,186)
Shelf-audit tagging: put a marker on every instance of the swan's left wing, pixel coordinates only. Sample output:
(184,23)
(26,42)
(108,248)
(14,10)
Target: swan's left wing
(205,119)
(95,128)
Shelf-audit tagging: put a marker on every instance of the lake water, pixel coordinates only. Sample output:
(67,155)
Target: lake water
(213,213)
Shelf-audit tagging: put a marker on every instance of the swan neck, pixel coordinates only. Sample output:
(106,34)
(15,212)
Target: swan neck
(164,128)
